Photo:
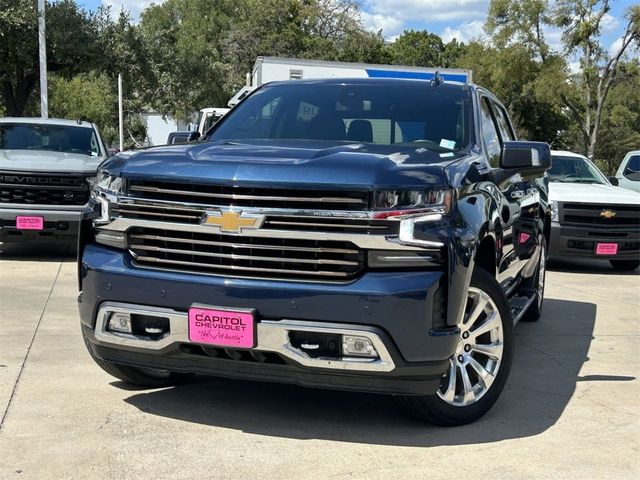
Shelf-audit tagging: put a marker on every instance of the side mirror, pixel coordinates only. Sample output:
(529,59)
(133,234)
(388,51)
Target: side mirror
(526,157)
(192,127)
(614,181)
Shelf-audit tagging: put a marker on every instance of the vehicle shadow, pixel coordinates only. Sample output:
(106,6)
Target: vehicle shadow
(44,251)
(589,266)
(548,359)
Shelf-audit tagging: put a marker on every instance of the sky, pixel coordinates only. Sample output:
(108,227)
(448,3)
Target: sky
(460,19)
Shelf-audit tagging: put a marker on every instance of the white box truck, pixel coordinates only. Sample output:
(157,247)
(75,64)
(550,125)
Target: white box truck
(269,69)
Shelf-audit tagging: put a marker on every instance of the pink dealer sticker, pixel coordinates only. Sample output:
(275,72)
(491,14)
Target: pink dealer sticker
(225,328)
(606,248)
(29,223)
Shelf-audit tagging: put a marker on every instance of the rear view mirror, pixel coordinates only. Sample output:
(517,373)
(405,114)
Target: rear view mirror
(529,157)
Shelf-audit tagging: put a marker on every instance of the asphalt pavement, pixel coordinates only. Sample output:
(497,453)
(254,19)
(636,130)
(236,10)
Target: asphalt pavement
(570,408)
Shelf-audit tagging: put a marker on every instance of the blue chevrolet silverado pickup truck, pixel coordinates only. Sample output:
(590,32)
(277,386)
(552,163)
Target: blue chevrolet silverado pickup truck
(377,235)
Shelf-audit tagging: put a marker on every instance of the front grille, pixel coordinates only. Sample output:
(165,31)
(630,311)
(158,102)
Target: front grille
(43,189)
(228,196)
(194,215)
(584,214)
(245,256)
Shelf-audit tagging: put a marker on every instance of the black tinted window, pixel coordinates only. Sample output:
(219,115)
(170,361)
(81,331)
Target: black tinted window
(418,115)
(633,164)
(490,134)
(56,138)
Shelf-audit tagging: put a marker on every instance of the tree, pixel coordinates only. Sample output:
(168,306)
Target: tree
(417,48)
(581,23)
(620,123)
(522,83)
(71,46)
(87,96)
(583,95)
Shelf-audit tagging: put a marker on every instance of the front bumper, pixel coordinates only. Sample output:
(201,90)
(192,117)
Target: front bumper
(60,223)
(572,241)
(394,308)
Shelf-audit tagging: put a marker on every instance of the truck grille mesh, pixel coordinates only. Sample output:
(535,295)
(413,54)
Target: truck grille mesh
(43,189)
(245,256)
(590,215)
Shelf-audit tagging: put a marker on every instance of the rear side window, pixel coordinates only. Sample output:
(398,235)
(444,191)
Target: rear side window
(490,134)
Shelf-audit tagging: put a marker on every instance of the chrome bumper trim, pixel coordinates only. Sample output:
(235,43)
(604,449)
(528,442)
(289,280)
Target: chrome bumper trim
(273,336)
(365,241)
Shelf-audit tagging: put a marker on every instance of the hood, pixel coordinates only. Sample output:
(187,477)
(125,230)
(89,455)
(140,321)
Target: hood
(283,163)
(592,193)
(46,161)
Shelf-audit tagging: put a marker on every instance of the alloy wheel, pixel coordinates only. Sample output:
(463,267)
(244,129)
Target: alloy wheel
(475,364)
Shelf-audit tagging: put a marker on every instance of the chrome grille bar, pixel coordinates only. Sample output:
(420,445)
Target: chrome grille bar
(236,196)
(235,256)
(282,271)
(242,245)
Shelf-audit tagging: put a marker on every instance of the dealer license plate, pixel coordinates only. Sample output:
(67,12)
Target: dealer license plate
(29,223)
(606,248)
(223,328)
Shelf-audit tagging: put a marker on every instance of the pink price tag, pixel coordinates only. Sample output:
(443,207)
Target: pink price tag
(606,248)
(225,328)
(29,223)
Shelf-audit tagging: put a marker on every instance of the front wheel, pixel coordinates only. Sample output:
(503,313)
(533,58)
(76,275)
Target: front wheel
(479,367)
(625,265)
(141,377)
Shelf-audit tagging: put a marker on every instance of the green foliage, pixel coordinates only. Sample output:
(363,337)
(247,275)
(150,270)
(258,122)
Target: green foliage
(424,49)
(87,96)
(522,84)
(71,46)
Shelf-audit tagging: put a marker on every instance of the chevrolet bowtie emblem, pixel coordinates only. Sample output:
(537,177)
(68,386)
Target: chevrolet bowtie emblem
(232,221)
(607,213)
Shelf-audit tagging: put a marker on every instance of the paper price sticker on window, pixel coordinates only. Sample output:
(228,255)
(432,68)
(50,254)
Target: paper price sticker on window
(450,144)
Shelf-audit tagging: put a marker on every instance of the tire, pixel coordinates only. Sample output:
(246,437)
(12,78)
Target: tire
(625,265)
(141,377)
(537,283)
(455,406)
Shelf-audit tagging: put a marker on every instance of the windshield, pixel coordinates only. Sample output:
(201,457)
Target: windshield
(416,115)
(575,170)
(56,138)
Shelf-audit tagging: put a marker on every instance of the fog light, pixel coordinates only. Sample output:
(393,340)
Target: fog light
(358,347)
(120,322)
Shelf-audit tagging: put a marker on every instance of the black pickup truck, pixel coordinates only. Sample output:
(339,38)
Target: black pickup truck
(377,235)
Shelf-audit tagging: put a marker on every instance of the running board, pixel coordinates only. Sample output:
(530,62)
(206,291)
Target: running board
(519,305)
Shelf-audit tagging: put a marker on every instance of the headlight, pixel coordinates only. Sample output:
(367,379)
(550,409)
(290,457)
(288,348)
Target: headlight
(108,182)
(403,202)
(554,210)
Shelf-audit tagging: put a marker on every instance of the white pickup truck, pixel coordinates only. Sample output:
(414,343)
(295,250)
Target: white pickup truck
(46,168)
(591,217)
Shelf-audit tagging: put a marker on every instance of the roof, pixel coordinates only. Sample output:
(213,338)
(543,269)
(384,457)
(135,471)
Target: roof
(46,121)
(566,153)
(386,82)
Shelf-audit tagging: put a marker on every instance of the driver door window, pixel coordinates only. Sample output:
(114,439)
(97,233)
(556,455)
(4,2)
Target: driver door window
(490,134)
